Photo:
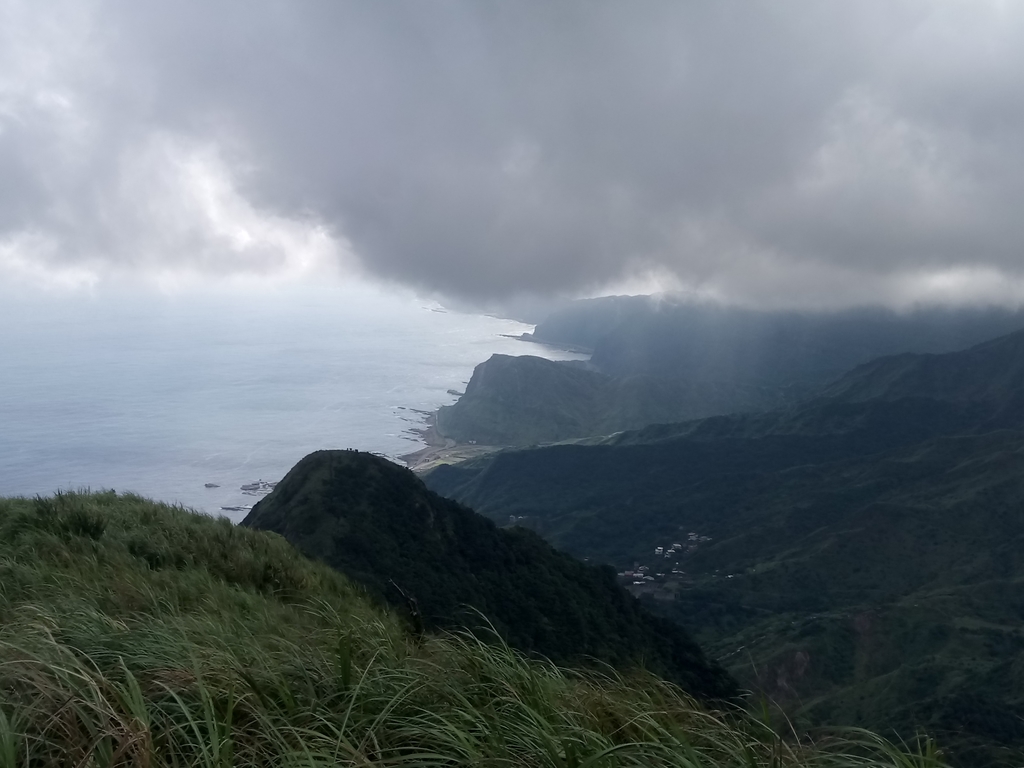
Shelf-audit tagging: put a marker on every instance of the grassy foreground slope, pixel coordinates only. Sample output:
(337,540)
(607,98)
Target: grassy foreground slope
(137,634)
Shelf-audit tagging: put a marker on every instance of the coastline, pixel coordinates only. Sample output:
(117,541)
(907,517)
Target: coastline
(445,450)
(439,449)
(532,339)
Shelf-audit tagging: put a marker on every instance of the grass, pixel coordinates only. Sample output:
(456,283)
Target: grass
(137,634)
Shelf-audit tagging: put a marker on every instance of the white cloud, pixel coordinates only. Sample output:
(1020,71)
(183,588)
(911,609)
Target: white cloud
(183,214)
(27,258)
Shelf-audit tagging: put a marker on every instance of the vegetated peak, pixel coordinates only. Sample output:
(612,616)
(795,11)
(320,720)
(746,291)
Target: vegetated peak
(377,523)
(890,401)
(530,400)
(992,370)
(498,363)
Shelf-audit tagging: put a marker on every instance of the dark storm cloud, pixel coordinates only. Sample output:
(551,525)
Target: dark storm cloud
(768,152)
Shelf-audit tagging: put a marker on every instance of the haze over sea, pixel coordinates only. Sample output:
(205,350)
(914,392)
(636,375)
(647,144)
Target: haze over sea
(160,395)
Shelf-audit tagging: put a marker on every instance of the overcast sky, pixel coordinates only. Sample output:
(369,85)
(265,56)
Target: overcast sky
(780,154)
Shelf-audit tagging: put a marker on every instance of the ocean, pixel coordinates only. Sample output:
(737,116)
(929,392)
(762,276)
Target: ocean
(162,395)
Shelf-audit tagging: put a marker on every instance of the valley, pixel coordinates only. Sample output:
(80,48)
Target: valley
(856,556)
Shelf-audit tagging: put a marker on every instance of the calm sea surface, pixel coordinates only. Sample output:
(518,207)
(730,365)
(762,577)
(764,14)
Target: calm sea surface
(160,396)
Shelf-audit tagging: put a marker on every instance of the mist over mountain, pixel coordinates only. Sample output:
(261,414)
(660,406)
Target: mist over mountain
(665,336)
(663,360)
(528,400)
(857,557)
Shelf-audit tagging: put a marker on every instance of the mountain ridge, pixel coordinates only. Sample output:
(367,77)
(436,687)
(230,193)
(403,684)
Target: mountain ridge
(658,360)
(858,558)
(670,336)
(378,524)
(527,400)
(991,370)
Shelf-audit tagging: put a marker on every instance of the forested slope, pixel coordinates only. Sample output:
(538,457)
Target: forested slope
(377,523)
(859,558)
(662,360)
(528,400)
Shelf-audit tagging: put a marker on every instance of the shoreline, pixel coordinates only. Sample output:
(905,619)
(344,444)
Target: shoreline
(445,450)
(439,449)
(531,339)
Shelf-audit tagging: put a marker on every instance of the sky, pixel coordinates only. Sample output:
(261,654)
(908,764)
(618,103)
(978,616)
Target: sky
(776,154)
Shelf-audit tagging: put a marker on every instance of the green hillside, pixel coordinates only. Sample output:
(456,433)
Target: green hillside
(859,558)
(992,372)
(138,634)
(377,523)
(529,400)
(665,361)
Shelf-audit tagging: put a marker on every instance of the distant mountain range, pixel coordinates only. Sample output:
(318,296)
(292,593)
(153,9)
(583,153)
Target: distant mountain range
(666,336)
(446,566)
(663,361)
(858,557)
(530,400)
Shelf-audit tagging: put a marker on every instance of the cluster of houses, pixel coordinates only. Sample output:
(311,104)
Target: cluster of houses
(642,575)
(692,540)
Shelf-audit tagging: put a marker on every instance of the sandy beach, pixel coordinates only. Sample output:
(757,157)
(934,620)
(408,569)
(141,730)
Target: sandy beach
(441,450)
